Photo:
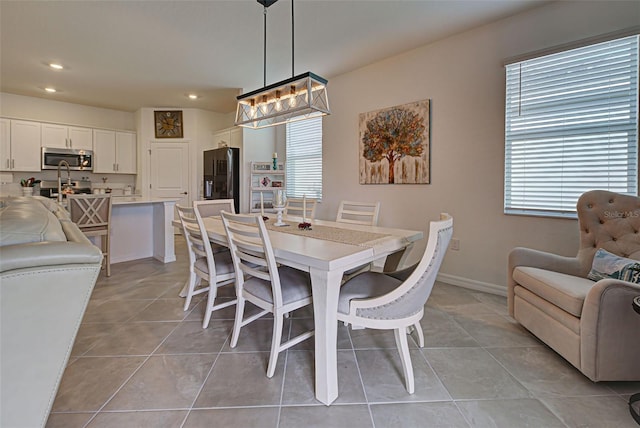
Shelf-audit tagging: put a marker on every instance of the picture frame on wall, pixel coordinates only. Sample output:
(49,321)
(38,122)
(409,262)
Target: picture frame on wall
(395,145)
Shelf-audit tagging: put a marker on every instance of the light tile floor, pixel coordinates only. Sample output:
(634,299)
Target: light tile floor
(140,361)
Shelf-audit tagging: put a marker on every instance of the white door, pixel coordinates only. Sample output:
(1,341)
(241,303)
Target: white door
(169,167)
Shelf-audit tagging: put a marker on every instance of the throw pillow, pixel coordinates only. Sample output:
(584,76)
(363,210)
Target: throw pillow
(607,265)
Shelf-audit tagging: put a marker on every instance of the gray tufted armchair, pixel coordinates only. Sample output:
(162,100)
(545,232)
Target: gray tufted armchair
(591,324)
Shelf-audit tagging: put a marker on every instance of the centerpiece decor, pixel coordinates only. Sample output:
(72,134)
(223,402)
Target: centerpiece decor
(278,206)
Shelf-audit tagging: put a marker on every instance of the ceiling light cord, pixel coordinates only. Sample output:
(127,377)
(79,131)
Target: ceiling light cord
(264,53)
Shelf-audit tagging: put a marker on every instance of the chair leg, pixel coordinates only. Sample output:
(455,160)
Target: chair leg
(237,324)
(418,328)
(191,285)
(405,356)
(211,299)
(278,323)
(107,252)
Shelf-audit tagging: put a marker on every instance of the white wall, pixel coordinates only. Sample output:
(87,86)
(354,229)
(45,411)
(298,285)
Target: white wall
(198,128)
(463,76)
(45,110)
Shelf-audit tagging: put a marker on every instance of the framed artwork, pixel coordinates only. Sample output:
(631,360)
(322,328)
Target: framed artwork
(168,123)
(395,145)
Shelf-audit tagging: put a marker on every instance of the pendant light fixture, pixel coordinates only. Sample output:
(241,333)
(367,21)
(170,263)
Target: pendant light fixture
(298,98)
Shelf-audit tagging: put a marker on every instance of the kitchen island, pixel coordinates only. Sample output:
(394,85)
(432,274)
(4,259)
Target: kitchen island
(141,227)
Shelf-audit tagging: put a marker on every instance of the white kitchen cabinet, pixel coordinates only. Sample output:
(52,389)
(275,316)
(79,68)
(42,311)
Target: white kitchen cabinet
(114,152)
(19,145)
(126,153)
(230,137)
(66,137)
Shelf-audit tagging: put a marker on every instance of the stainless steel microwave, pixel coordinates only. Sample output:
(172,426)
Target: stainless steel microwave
(79,160)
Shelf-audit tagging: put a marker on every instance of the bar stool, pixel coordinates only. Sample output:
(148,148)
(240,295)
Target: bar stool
(92,214)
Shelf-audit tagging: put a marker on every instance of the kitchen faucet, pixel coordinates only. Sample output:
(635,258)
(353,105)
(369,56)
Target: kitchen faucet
(63,162)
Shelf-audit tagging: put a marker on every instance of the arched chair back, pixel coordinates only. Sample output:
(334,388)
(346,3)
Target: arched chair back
(379,301)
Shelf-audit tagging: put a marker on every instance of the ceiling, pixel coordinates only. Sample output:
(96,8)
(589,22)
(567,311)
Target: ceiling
(126,55)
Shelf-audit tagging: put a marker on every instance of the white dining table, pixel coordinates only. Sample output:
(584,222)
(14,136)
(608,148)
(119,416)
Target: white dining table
(326,261)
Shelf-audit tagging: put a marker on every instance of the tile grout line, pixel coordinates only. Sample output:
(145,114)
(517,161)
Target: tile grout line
(136,370)
(190,409)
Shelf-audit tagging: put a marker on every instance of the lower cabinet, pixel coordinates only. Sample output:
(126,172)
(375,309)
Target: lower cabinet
(114,152)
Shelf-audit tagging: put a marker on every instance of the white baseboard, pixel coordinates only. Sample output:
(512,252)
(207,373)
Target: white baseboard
(472,284)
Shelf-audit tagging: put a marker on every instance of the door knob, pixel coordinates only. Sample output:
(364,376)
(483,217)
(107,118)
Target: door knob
(184,193)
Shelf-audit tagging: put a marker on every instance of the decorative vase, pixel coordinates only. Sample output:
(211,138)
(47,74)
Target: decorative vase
(27,191)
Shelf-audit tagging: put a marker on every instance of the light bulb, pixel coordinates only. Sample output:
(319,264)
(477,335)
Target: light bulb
(264,106)
(292,99)
(278,103)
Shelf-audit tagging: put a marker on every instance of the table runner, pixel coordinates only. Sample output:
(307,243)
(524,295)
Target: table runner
(381,243)
(328,233)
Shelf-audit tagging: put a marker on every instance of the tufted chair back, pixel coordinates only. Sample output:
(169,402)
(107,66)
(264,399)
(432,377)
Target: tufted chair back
(610,221)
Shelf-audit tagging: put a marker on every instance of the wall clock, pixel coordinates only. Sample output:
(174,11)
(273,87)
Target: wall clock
(168,123)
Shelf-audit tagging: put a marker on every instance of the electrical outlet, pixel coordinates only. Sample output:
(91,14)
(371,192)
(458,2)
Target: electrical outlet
(455,244)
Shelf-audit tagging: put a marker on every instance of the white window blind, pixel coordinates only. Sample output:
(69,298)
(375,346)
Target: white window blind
(304,158)
(571,126)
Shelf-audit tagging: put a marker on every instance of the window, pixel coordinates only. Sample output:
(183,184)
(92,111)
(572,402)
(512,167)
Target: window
(571,125)
(304,158)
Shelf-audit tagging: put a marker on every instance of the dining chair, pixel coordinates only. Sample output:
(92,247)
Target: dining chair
(379,301)
(217,271)
(293,208)
(92,214)
(358,212)
(365,213)
(259,280)
(212,207)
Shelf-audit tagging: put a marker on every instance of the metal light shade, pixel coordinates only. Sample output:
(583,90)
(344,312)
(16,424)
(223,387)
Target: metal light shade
(300,97)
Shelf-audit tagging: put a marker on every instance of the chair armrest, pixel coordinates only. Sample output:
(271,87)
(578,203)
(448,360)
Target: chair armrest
(520,256)
(610,332)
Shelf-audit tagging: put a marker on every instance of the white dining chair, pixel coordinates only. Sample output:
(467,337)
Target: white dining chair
(379,301)
(365,213)
(92,214)
(216,271)
(358,212)
(293,208)
(212,207)
(259,280)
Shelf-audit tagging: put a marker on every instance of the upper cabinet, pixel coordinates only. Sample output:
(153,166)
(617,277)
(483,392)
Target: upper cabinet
(230,137)
(114,152)
(66,137)
(19,145)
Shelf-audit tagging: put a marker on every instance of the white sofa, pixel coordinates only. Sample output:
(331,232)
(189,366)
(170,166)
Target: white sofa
(48,269)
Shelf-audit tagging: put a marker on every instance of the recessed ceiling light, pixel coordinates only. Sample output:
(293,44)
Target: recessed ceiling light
(193,96)
(51,90)
(56,66)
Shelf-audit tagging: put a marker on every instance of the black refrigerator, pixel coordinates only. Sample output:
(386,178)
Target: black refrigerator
(222,174)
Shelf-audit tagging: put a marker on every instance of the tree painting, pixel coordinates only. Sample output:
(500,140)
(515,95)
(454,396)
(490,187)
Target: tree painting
(394,145)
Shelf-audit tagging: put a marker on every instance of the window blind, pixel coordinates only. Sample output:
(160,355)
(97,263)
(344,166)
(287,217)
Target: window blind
(571,125)
(304,158)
